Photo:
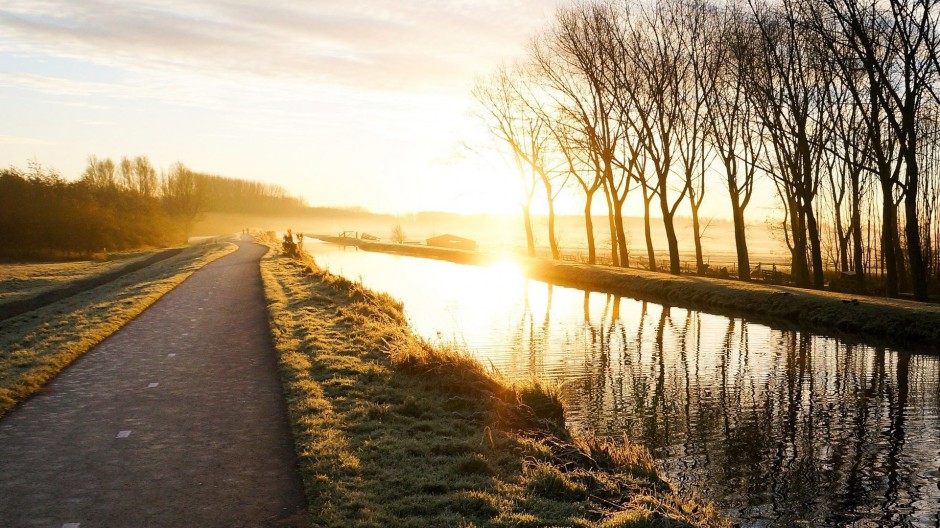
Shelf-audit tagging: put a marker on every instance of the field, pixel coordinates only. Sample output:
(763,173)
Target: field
(21,280)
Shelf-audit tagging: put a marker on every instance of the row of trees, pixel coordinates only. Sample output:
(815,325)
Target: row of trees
(117,206)
(832,103)
(42,215)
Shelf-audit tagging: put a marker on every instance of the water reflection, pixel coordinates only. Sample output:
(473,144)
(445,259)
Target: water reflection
(782,428)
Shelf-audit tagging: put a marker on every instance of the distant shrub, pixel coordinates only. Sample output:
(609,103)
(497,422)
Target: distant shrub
(293,246)
(398,234)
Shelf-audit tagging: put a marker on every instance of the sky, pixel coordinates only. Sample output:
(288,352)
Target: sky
(346,103)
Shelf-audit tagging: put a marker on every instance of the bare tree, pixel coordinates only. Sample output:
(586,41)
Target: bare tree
(791,90)
(100,173)
(570,63)
(183,194)
(662,67)
(145,177)
(512,123)
(895,44)
(398,234)
(695,25)
(732,127)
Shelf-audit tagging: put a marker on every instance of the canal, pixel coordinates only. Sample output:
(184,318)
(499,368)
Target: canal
(778,427)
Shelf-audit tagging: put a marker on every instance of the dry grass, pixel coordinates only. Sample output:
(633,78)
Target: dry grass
(392,432)
(21,280)
(37,345)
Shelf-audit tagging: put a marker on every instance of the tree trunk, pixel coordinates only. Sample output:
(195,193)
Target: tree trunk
(697,238)
(529,238)
(647,230)
(903,283)
(669,225)
(589,228)
(552,240)
(614,261)
(912,229)
(842,236)
(889,236)
(621,235)
(799,267)
(819,279)
(740,240)
(673,242)
(855,230)
(843,252)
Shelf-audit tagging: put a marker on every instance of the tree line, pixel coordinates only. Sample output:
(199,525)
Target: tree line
(117,206)
(832,103)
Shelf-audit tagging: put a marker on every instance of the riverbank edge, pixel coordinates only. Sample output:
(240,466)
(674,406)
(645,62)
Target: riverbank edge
(515,432)
(872,320)
(37,345)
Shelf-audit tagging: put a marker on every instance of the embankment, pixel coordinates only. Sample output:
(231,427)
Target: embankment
(21,306)
(393,432)
(413,250)
(852,317)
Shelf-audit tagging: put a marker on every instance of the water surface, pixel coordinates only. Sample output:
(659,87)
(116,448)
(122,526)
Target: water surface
(780,428)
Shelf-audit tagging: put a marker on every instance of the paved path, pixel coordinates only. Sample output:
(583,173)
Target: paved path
(176,420)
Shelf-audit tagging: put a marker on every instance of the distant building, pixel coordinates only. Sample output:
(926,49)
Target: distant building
(452,242)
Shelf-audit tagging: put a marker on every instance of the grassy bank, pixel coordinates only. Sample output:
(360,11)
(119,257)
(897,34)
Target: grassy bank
(392,432)
(413,250)
(37,345)
(872,319)
(22,280)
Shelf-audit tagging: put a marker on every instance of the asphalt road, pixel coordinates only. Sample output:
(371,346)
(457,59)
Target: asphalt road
(176,420)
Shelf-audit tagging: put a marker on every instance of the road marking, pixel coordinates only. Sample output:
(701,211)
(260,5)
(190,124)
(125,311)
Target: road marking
(152,385)
(171,355)
(70,525)
(123,434)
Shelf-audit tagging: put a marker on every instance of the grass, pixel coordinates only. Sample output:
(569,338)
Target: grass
(393,432)
(37,345)
(21,280)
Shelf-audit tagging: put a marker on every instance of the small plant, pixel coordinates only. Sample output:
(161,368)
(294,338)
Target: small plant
(293,246)
(547,481)
(398,234)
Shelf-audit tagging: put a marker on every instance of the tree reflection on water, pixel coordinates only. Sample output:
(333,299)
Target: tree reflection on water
(802,429)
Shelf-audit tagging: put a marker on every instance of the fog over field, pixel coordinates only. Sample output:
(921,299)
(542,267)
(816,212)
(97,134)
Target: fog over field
(505,232)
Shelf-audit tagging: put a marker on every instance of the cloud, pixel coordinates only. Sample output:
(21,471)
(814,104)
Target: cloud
(419,46)
(57,85)
(18,140)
